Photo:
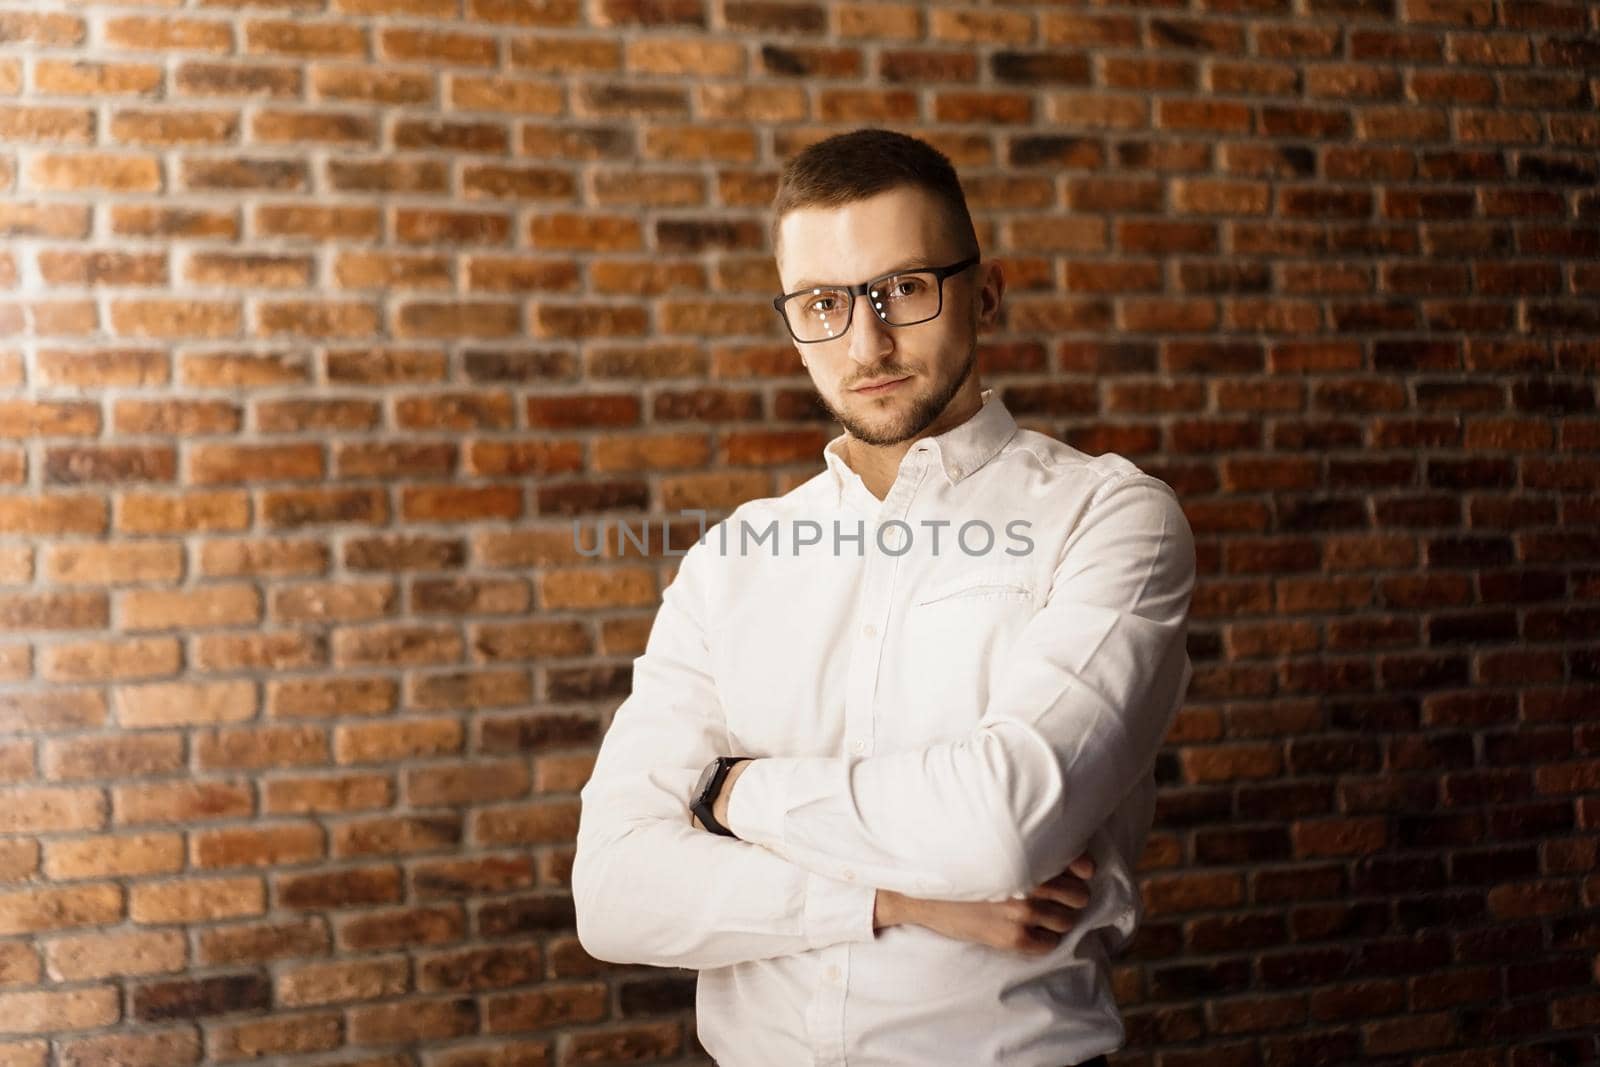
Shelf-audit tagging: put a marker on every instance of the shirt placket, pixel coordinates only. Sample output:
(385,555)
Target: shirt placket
(827,1016)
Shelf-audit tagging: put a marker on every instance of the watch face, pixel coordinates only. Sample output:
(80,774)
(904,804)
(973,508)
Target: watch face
(705,779)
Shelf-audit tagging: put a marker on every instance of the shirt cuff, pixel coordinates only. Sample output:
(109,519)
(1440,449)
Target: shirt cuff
(755,807)
(838,911)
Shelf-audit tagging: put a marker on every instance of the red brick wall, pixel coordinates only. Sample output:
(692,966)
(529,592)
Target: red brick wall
(322,319)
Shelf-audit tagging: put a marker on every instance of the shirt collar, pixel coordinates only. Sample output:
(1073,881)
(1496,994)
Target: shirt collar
(960,450)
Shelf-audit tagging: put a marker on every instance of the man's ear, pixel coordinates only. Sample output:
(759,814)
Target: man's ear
(989,306)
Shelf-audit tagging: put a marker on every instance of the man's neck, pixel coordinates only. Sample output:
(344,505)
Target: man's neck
(879,465)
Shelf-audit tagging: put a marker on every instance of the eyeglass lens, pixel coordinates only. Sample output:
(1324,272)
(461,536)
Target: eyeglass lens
(901,300)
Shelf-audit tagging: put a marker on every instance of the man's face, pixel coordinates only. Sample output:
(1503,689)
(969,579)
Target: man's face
(903,227)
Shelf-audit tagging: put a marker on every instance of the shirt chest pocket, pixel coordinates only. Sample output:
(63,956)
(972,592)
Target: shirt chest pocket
(987,581)
(957,629)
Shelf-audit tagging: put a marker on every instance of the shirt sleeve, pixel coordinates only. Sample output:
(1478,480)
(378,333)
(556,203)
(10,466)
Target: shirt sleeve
(1074,720)
(647,886)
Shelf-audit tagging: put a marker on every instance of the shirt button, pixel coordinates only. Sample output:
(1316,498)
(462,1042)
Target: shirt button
(833,973)
(849,875)
(870,630)
(892,537)
(955,472)
(858,746)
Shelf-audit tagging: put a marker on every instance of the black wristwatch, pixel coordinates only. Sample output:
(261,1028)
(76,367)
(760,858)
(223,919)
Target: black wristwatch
(707,789)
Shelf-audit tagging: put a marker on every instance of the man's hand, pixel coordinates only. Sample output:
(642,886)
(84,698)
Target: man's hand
(1033,925)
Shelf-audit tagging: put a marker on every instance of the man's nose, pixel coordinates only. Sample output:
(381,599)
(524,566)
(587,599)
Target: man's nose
(868,334)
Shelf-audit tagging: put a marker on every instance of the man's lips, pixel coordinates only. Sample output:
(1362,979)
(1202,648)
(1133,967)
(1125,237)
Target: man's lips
(881,387)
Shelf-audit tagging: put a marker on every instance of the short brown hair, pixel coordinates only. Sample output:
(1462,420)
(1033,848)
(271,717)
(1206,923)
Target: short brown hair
(853,166)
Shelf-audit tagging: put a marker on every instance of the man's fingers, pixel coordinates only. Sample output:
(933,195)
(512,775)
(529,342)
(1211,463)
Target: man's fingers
(1064,890)
(1038,941)
(1083,866)
(1048,915)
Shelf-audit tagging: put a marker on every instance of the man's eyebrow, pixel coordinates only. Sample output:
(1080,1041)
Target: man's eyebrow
(914,261)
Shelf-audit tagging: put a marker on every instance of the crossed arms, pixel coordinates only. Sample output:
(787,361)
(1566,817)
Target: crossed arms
(1082,701)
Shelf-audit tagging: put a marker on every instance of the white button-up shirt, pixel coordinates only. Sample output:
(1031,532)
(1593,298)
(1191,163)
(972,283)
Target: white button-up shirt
(930,718)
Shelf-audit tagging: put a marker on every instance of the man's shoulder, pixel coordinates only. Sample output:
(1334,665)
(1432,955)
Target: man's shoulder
(1073,469)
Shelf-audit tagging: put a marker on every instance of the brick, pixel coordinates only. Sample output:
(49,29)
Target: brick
(504,95)
(661,189)
(315,318)
(671,450)
(318,223)
(545,822)
(477,596)
(119,856)
(460,503)
(47,125)
(463,785)
(250,270)
(595,233)
(103,954)
(175,319)
(110,660)
(196,899)
(126,173)
(396,646)
(206,78)
(401,927)
(344,888)
(275,846)
(481,137)
(372,270)
(473,969)
(284,1034)
(511,12)
(383,742)
(457,319)
(305,39)
(212,464)
(119,758)
(339,983)
(201,997)
(397,835)
(180,802)
(170,128)
(468,689)
(437,46)
(550,55)
(33,219)
(48,1012)
(628,1043)
(23,418)
(331,415)
(971,27)
(32,911)
(488,181)
(372,87)
(203,607)
(413,1021)
(150,513)
(241,943)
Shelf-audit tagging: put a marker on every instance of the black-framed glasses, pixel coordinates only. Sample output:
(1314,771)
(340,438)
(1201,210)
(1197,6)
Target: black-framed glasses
(899,298)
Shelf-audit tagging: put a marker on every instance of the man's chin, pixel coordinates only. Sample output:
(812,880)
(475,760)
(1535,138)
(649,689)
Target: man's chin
(889,426)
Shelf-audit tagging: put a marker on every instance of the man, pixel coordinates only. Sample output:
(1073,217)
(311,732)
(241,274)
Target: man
(936,725)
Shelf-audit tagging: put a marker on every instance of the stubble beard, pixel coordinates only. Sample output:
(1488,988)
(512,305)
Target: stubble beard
(917,417)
